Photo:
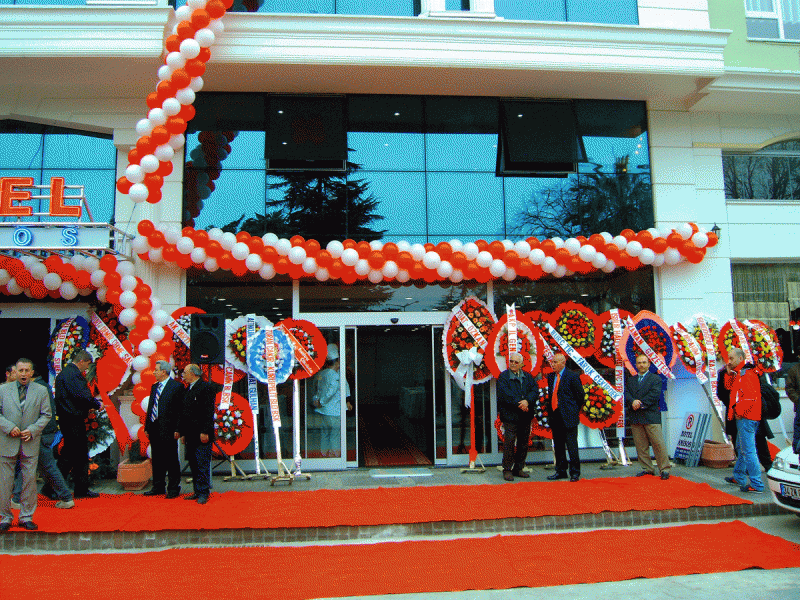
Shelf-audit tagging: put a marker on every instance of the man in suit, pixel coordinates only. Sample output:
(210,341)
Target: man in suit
(197,429)
(24,412)
(73,402)
(642,393)
(516,395)
(161,426)
(566,399)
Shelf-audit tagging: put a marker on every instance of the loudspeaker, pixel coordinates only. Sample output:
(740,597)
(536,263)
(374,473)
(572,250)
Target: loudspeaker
(207,339)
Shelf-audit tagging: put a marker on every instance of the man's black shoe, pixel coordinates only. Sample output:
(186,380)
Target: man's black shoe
(202,499)
(173,494)
(154,493)
(665,475)
(508,476)
(29,525)
(556,476)
(4,527)
(521,474)
(88,494)
(574,478)
(643,473)
(191,497)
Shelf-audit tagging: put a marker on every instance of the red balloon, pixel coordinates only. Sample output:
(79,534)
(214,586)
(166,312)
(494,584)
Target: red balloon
(170,253)
(187,113)
(176,125)
(337,268)
(159,135)
(185,30)
(405,260)
(225,260)
(195,68)
(324,259)
(123,185)
(444,250)
(215,9)
(458,260)
(645,238)
(134,157)
(628,234)
(511,259)
(112,279)
(282,265)
(136,337)
(256,244)
(172,43)
(184,261)
(164,168)
(548,247)
(496,249)
(144,145)
(243,236)
(375,259)
(205,55)
(143,305)
(143,322)
(112,296)
(142,290)
(201,238)
(180,79)
(597,241)
(152,100)
(659,245)
(712,239)
(239,268)
(200,18)
(156,239)
(363,249)
(348,243)
(675,239)
(312,247)
(153,196)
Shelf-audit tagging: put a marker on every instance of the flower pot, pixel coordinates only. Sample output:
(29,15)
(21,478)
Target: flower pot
(717,455)
(134,476)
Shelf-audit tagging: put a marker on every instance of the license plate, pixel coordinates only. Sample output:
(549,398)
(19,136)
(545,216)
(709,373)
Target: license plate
(790,491)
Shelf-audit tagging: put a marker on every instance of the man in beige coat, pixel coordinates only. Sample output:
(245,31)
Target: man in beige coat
(24,412)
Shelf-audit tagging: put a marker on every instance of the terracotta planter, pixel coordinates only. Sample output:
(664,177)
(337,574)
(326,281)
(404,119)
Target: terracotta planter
(134,476)
(717,455)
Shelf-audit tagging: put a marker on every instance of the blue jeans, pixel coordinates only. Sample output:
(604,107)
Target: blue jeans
(747,464)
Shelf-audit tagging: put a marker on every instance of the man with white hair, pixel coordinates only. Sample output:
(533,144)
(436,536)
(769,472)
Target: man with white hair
(516,395)
(161,426)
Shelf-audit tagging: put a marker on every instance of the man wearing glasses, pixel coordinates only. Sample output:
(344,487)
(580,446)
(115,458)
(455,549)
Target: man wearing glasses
(516,393)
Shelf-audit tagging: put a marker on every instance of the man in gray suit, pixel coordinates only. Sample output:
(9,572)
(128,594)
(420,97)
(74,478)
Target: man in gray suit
(24,412)
(642,393)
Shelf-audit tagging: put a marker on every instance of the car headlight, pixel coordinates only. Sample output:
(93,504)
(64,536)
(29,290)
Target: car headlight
(780,464)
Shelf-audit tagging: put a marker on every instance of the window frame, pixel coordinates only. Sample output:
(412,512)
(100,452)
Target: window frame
(776,14)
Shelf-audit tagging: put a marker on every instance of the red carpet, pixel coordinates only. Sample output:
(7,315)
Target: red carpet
(278,508)
(500,562)
(385,444)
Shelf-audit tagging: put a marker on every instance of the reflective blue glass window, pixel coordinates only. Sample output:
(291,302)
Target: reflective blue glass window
(21,150)
(612,12)
(401,201)
(386,8)
(461,152)
(386,151)
(71,151)
(542,10)
(237,194)
(465,205)
(98,187)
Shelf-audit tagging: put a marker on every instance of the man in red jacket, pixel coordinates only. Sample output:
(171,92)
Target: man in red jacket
(745,406)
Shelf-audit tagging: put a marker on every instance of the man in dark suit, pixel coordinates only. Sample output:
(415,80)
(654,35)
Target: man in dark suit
(566,399)
(516,395)
(197,429)
(642,393)
(161,426)
(73,402)
(24,412)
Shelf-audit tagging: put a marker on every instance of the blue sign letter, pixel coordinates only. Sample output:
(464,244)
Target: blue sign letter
(22,236)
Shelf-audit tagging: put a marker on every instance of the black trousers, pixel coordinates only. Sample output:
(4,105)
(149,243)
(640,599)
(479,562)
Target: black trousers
(164,455)
(515,444)
(74,456)
(565,439)
(199,458)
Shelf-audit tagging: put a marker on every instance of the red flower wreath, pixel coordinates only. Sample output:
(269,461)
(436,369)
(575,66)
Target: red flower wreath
(578,325)
(233,425)
(540,318)
(307,334)
(457,338)
(606,352)
(759,346)
(684,351)
(599,409)
(657,335)
(528,345)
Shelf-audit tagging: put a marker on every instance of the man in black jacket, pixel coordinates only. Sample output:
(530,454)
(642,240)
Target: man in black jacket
(642,393)
(73,402)
(161,426)
(197,429)
(566,399)
(516,395)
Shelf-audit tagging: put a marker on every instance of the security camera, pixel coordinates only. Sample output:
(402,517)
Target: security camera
(394,320)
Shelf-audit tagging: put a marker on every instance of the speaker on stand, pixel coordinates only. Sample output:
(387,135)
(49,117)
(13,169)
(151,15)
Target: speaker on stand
(207,339)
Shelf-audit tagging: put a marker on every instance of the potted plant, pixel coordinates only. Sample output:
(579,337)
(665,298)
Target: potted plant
(135,471)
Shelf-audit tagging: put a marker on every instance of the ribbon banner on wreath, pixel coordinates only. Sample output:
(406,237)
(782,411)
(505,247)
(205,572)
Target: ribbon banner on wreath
(742,337)
(654,357)
(61,340)
(528,343)
(766,351)
(511,316)
(689,350)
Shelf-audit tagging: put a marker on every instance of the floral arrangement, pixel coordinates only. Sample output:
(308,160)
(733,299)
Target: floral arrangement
(283,356)
(577,324)
(713,327)
(528,344)
(233,425)
(682,346)
(311,338)
(540,426)
(657,335)
(99,432)
(110,318)
(761,347)
(599,409)
(228,425)
(540,319)
(77,339)
(236,346)
(606,351)
(457,338)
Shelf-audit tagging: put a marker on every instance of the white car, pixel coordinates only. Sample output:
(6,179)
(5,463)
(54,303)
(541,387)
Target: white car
(784,480)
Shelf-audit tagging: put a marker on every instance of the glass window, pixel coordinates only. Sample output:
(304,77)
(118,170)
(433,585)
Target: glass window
(461,152)
(238,194)
(386,151)
(768,19)
(465,205)
(20,150)
(544,10)
(400,202)
(395,8)
(770,174)
(612,12)
(73,151)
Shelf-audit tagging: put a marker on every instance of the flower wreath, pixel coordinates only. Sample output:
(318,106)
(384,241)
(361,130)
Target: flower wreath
(77,339)
(599,409)
(684,351)
(540,425)
(606,351)
(657,335)
(236,340)
(758,344)
(283,356)
(528,345)
(311,338)
(99,432)
(457,338)
(110,317)
(578,325)
(233,425)
(182,354)
(540,319)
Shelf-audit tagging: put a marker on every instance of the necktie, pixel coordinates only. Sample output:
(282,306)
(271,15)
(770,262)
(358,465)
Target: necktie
(640,378)
(555,391)
(155,403)
(23,391)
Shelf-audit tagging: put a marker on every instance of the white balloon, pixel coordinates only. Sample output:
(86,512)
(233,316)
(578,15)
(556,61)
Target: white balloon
(13,287)
(390,269)
(68,290)
(431,260)
(549,264)
(672,256)
(558,242)
(144,127)
(205,37)
(497,268)
(125,267)
(183,13)
(537,256)
(634,248)
(198,255)
(136,378)
(685,230)
(335,248)
(283,246)
(138,192)
(189,49)
(417,251)
(375,276)
(147,347)
(444,269)
(658,260)
(217,26)
(177,141)
(210,265)
(484,259)
(184,245)
(403,246)
(620,242)
(610,266)
(560,271)
(350,257)
(160,317)
(140,363)
(5,277)
(171,107)
(402,276)
(457,276)
(127,316)
(310,265)
(172,234)
(127,299)
(127,283)
(52,281)
(139,244)
(101,294)
(240,251)
(700,239)
(164,72)
(196,84)
(195,4)
(215,233)
(253,262)
(376,245)
(647,256)
(362,267)
(156,307)
(599,261)
(156,333)
(187,96)
(456,245)
(522,248)
(134,173)
(91,264)
(149,451)
(38,271)
(587,253)
(227,240)
(156,255)
(297,255)
(267,271)
(510,274)
(176,60)
(507,244)
(572,246)
(157,116)
(322,275)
